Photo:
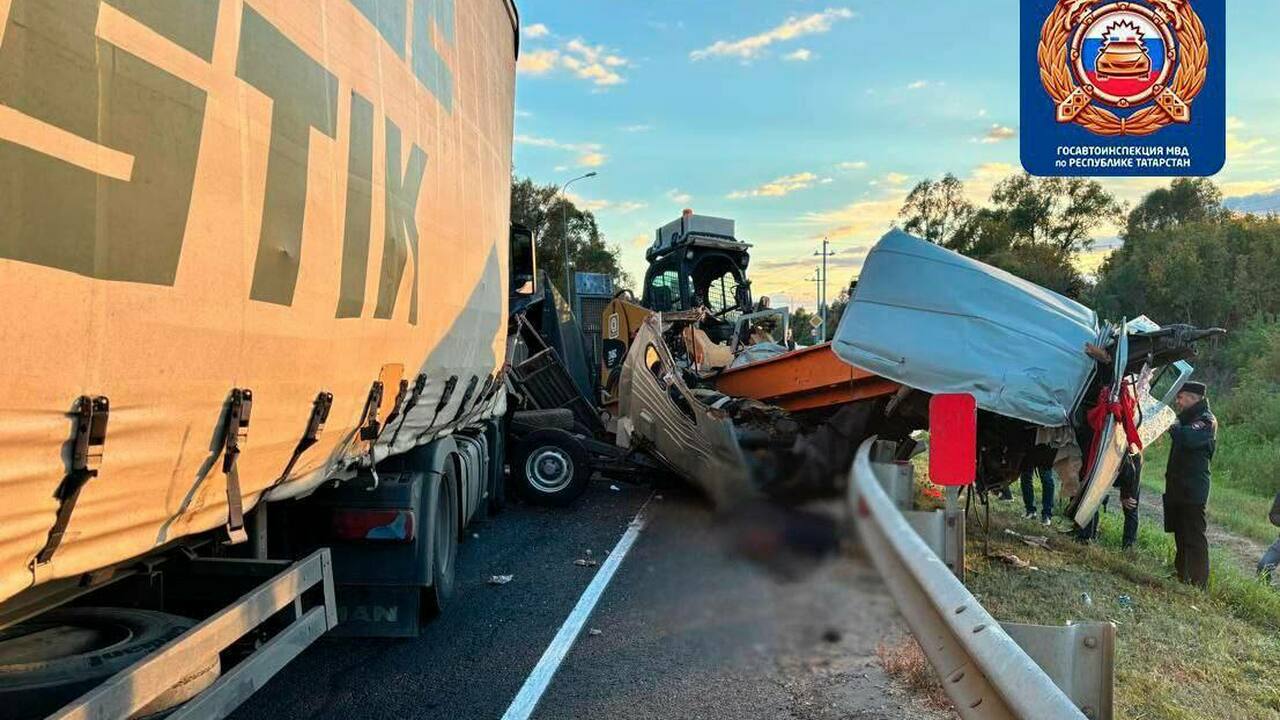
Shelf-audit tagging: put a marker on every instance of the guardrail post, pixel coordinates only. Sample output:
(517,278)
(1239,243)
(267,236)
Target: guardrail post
(1079,658)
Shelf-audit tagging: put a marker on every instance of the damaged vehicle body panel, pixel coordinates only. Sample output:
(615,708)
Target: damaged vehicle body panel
(658,411)
(937,321)
(1037,363)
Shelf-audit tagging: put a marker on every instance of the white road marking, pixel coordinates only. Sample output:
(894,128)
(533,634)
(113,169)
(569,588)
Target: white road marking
(539,680)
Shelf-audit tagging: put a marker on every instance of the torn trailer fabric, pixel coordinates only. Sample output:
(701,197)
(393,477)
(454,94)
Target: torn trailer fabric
(937,321)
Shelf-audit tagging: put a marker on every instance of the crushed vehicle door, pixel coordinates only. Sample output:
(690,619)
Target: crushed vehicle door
(658,411)
(1154,418)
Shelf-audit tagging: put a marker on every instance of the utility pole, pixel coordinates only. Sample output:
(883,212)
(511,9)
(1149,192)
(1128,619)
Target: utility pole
(564,221)
(817,288)
(825,253)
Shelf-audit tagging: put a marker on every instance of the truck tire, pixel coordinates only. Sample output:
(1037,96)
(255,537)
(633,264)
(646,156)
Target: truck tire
(550,467)
(524,422)
(443,554)
(53,659)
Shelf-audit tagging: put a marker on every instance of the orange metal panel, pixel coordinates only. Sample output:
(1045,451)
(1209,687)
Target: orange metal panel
(804,380)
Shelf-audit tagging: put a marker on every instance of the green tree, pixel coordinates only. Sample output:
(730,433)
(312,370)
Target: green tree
(1186,200)
(543,210)
(801,330)
(936,210)
(1186,259)
(1033,227)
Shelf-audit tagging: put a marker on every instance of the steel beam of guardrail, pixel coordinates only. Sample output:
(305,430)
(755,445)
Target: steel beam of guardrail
(987,675)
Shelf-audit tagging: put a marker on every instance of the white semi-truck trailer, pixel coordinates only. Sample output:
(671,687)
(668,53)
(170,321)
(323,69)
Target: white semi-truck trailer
(253,272)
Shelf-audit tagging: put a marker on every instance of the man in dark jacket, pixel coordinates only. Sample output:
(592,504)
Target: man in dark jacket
(1186,478)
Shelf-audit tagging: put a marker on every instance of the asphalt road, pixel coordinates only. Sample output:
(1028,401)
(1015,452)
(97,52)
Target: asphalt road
(686,630)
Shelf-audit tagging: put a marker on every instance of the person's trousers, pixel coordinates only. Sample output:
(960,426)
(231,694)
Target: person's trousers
(1047,481)
(1130,520)
(1270,559)
(1191,561)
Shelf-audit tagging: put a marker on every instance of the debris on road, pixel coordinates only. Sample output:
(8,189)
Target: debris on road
(1033,540)
(1009,558)
(500,579)
(615,488)
(584,562)
(593,632)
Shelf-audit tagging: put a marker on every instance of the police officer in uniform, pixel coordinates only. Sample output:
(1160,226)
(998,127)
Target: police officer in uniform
(1187,483)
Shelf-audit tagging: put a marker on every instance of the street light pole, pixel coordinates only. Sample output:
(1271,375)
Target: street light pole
(564,221)
(823,303)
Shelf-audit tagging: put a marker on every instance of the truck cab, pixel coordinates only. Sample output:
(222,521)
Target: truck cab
(697,261)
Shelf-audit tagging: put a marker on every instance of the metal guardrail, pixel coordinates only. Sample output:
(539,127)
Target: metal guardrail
(986,672)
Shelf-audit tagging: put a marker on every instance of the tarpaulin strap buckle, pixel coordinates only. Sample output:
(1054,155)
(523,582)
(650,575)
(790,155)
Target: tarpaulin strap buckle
(466,397)
(234,435)
(315,425)
(400,396)
(91,414)
(369,425)
(419,385)
(445,396)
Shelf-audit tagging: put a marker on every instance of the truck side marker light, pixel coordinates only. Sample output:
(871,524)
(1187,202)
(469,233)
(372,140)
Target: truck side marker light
(234,434)
(91,414)
(383,525)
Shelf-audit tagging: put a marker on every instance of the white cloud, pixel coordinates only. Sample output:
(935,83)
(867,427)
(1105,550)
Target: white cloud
(893,179)
(641,241)
(982,112)
(749,48)
(538,62)
(537,30)
(801,55)
(523,114)
(675,195)
(918,85)
(596,64)
(636,128)
(851,165)
(586,204)
(588,154)
(630,206)
(997,134)
(780,187)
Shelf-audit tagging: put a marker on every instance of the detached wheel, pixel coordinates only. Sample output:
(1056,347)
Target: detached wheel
(550,467)
(444,545)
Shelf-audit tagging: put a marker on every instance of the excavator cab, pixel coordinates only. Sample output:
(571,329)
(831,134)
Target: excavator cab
(697,262)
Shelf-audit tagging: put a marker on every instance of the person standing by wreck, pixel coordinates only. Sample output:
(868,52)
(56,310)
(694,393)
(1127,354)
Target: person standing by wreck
(1187,477)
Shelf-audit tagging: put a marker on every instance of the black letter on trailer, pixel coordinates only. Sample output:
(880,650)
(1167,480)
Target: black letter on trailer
(402,225)
(304,95)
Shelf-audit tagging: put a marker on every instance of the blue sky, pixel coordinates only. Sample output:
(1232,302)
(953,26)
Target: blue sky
(801,119)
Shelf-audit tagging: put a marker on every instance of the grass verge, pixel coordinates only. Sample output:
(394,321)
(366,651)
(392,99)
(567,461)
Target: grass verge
(1181,654)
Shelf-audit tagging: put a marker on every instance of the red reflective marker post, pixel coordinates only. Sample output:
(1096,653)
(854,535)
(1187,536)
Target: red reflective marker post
(953,463)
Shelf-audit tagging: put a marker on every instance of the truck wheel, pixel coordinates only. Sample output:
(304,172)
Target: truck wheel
(444,545)
(527,421)
(550,467)
(53,659)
